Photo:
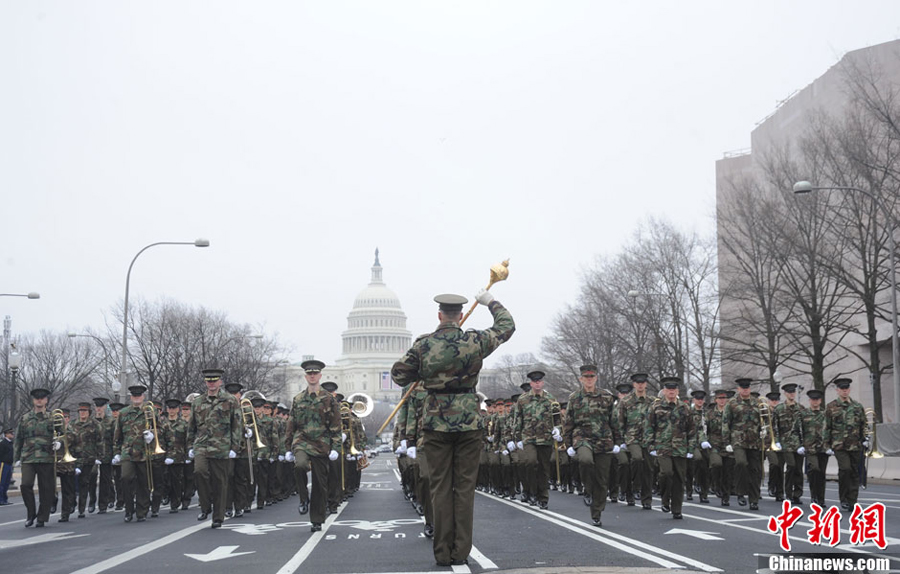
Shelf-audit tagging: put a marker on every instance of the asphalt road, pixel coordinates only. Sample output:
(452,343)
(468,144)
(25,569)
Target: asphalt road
(377,531)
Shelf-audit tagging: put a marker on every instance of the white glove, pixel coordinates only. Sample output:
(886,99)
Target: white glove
(705,445)
(728,448)
(280,458)
(77,471)
(289,456)
(56,445)
(402,448)
(762,434)
(349,457)
(777,446)
(148,436)
(17,463)
(557,436)
(490,439)
(188,461)
(411,452)
(333,455)
(623,446)
(505,452)
(690,455)
(116,459)
(865,444)
(652,453)
(191,453)
(616,449)
(271,460)
(232,454)
(829,452)
(484,297)
(511,446)
(801,451)
(169,461)
(248,432)
(344,437)
(570,451)
(520,446)
(97,462)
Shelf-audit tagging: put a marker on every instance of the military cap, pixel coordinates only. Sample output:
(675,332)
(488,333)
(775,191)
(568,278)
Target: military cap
(588,369)
(536,376)
(271,404)
(157,402)
(234,387)
(721,393)
(525,387)
(670,382)
(40,393)
(84,406)
(137,390)
(65,410)
(789,388)
(116,406)
(329,386)
(843,382)
(743,382)
(185,404)
(698,394)
(729,393)
(515,397)
(312,366)
(773,396)
(8,430)
(212,374)
(173,403)
(100,401)
(639,377)
(450,303)
(755,394)
(339,396)
(815,394)
(258,402)
(624,388)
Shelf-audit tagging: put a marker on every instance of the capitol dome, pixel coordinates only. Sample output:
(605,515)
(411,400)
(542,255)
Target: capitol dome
(376,326)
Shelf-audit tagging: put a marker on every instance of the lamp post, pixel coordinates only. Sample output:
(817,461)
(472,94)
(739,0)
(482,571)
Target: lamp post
(123,369)
(15,363)
(804,187)
(31,295)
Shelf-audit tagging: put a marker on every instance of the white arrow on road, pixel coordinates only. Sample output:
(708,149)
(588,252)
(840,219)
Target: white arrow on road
(218,554)
(49,537)
(696,534)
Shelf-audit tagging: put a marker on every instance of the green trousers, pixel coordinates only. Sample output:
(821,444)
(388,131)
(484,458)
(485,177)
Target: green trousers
(212,476)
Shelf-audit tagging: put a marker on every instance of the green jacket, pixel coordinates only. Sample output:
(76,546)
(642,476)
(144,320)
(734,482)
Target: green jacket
(811,430)
(315,423)
(177,444)
(449,360)
(714,430)
(740,425)
(87,445)
(632,415)
(216,425)
(845,425)
(34,439)
(533,420)
(785,424)
(129,438)
(591,420)
(670,428)
(107,433)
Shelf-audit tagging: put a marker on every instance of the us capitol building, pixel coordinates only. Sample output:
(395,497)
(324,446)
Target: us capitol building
(376,337)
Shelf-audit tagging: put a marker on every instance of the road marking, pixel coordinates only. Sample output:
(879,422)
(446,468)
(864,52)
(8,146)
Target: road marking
(49,537)
(482,560)
(141,550)
(294,563)
(630,545)
(695,533)
(460,569)
(219,553)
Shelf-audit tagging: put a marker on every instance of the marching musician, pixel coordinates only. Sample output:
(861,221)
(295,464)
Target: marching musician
(337,468)
(447,362)
(620,469)
(101,484)
(188,493)
(845,437)
(535,425)
(721,462)
(773,457)
(86,447)
(698,467)
(132,440)
(811,431)
(67,472)
(744,436)
(239,483)
(34,451)
(176,453)
(215,432)
(632,412)
(419,461)
(785,421)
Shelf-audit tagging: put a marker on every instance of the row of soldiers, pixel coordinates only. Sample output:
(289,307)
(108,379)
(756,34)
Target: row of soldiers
(598,444)
(138,459)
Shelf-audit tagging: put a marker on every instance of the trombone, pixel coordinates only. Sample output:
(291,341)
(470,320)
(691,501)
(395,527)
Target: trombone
(362,406)
(248,415)
(556,421)
(149,411)
(59,435)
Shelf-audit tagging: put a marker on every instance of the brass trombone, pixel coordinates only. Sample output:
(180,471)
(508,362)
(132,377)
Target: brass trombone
(248,415)
(362,406)
(556,421)
(149,411)
(59,435)
(765,422)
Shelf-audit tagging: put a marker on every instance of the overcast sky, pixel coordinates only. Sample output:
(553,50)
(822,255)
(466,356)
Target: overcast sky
(298,137)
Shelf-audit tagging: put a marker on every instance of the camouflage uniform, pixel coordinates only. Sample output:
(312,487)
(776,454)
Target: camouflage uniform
(698,467)
(810,428)
(266,426)
(591,428)
(86,447)
(447,362)
(133,451)
(632,412)
(721,462)
(845,431)
(415,437)
(177,451)
(784,422)
(671,433)
(101,482)
(216,428)
(534,424)
(33,446)
(314,430)
(741,429)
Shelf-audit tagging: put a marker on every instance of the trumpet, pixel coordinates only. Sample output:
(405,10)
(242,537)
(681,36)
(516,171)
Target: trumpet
(59,434)
(248,416)
(150,425)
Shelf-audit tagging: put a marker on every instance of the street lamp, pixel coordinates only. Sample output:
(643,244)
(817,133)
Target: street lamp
(31,295)
(15,363)
(195,243)
(804,187)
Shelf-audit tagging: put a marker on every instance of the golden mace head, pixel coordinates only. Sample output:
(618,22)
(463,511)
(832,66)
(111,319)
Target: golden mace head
(499,272)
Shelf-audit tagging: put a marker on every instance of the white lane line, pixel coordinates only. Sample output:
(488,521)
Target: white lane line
(461,569)
(550,517)
(482,560)
(397,474)
(297,560)
(141,550)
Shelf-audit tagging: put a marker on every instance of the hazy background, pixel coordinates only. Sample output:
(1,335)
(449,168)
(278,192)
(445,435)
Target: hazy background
(298,137)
